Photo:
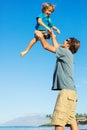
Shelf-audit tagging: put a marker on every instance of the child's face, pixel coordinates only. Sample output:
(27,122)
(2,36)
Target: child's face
(49,11)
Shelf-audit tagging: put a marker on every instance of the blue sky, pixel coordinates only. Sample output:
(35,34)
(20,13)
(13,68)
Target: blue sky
(25,82)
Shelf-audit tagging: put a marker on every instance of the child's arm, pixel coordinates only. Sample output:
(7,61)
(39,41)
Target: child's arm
(41,23)
(55,28)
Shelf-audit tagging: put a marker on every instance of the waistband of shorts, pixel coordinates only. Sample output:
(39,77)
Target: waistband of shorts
(68,91)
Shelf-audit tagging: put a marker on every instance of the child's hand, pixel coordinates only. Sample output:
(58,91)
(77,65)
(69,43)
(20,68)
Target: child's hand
(58,31)
(49,30)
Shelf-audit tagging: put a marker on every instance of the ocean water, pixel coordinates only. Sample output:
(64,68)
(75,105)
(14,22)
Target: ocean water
(36,128)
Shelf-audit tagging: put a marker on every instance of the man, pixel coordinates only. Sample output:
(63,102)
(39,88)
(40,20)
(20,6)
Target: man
(64,111)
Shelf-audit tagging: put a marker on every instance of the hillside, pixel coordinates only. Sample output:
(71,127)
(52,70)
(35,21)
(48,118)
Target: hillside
(34,120)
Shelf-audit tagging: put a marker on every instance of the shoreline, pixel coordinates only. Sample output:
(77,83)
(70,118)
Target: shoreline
(79,122)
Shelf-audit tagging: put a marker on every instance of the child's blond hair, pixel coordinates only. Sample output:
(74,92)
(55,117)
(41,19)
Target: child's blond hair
(46,6)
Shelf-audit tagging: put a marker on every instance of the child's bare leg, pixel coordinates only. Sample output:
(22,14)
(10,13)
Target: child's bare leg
(74,127)
(32,42)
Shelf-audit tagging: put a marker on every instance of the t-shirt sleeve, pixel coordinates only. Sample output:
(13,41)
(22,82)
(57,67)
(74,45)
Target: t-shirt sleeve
(41,15)
(60,52)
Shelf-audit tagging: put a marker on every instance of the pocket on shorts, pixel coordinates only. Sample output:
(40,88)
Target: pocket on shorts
(71,98)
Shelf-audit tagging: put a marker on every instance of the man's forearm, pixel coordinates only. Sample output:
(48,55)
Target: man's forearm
(55,42)
(44,43)
(47,46)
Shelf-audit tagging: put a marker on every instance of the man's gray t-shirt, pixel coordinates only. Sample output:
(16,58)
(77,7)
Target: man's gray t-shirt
(63,73)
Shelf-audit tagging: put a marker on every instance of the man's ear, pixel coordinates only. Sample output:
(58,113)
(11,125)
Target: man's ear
(68,45)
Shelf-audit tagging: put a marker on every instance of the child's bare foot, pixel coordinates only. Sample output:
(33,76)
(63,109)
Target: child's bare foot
(23,53)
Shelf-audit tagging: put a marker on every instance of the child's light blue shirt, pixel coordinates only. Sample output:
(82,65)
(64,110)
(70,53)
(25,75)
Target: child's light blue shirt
(46,20)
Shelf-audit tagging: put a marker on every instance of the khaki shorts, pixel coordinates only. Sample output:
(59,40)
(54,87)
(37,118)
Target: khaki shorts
(64,111)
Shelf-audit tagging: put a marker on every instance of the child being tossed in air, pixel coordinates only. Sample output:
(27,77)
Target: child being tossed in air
(44,24)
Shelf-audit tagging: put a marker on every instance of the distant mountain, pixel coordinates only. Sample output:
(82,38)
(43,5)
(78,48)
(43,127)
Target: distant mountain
(32,120)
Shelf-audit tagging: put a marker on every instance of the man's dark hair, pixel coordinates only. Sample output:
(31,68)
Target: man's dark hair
(74,44)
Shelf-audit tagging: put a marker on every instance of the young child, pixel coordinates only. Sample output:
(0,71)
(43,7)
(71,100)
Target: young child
(44,24)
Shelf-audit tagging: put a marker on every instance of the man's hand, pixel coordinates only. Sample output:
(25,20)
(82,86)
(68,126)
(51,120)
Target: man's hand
(53,35)
(49,30)
(38,34)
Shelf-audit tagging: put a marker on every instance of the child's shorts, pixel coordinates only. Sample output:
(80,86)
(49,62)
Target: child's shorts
(64,111)
(47,35)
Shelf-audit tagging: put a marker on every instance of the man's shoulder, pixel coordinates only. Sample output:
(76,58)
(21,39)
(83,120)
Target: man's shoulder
(60,51)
